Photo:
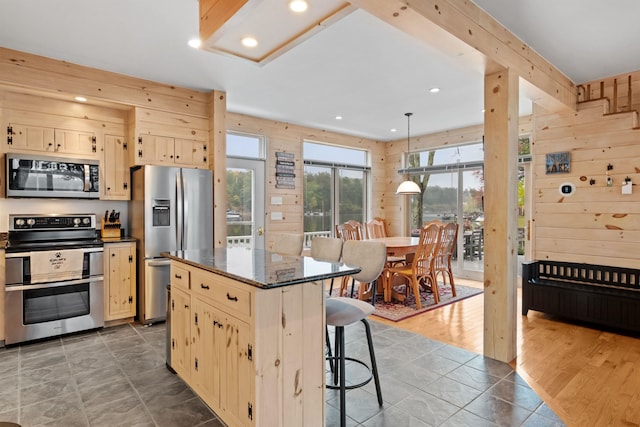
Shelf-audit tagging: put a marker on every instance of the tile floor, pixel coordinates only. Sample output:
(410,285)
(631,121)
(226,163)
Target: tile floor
(117,377)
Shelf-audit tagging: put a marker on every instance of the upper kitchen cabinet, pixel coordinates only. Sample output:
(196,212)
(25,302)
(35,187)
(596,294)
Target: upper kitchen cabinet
(169,139)
(167,151)
(56,127)
(115,168)
(51,140)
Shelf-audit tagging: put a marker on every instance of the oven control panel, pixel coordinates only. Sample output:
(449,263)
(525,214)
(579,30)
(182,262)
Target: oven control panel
(51,222)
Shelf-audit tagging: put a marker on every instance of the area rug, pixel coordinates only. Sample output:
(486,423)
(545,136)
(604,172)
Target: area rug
(396,311)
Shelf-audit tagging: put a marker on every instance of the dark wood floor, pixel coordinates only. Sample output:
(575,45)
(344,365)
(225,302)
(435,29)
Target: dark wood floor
(587,376)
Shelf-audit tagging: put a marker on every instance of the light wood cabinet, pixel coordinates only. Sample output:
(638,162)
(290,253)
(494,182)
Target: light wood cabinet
(181,332)
(168,151)
(51,140)
(115,168)
(256,355)
(215,342)
(120,280)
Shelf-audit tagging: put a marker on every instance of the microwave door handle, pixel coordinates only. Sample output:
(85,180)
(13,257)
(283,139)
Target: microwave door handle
(87,178)
(179,212)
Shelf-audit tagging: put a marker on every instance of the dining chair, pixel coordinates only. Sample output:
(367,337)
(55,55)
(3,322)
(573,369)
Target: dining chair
(377,229)
(444,253)
(288,243)
(351,230)
(342,311)
(420,272)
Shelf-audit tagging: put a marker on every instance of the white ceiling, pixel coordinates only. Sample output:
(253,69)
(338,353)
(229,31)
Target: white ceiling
(359,68)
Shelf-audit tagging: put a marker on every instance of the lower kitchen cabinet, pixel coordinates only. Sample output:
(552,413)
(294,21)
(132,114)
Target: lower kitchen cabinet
(181,332)
(256,355)
(119,280)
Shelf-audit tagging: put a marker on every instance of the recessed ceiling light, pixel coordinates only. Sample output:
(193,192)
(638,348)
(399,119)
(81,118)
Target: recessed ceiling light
(195,43)
(249,41)
(298,5)
(394,130)
(81,99)
(338,117)
(434,90)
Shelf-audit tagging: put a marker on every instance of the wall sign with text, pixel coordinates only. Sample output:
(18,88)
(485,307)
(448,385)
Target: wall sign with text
(285,170)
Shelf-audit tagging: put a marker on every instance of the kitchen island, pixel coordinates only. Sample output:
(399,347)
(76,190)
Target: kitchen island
(247,333)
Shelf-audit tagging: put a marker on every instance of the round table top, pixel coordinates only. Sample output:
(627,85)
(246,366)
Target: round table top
(398,241)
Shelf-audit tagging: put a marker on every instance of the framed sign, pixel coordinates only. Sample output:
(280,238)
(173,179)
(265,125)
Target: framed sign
(558,162)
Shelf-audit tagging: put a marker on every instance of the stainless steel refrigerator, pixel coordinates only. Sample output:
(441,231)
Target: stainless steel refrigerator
(171,209)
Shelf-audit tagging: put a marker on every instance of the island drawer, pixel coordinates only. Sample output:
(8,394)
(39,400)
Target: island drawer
(179,277)
(230,296)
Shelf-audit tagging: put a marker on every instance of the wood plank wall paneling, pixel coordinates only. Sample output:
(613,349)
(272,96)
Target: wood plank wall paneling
(289,138)
(59,77)
(163,123)
(597,224)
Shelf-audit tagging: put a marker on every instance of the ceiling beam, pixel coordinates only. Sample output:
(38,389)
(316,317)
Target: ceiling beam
(214,14)
(455,26)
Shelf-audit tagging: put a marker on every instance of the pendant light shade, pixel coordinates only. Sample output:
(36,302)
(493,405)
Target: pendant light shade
(408,187)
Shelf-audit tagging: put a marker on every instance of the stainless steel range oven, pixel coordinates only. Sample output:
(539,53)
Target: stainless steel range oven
(54,276)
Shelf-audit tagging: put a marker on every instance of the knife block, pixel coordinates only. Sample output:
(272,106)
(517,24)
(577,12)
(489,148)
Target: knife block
(111,229)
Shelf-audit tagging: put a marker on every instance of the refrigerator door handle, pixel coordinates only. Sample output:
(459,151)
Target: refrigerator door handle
(185,214)
(179,212)
(160,262)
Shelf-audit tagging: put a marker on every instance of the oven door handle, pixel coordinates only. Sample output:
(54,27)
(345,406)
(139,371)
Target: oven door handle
(26,254)
(92,279)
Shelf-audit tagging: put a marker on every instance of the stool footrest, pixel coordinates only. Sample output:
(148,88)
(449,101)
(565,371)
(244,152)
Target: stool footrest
(351,387)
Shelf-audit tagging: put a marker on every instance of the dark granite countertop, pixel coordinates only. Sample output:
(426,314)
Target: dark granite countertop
(261,268)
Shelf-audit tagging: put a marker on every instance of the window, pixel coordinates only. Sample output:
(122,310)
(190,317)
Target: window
(245,146)
(334,192)
(454,192)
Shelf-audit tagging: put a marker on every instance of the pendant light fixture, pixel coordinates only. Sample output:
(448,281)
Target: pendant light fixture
(408,187)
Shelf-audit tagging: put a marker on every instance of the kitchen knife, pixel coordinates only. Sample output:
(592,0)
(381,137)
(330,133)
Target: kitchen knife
(106,215)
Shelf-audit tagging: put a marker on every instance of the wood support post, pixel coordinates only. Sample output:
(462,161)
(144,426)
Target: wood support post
(218,163)
(501,212)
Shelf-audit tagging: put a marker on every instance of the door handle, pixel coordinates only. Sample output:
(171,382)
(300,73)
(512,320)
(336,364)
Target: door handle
(160,263)
(260,231)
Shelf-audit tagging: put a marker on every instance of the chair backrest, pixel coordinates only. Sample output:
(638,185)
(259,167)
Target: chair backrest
(376,229)
(351,230)
(369,256)
(326,248)
(429,238)
(446,245)
(288,243)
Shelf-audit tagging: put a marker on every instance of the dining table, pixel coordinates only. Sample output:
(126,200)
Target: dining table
(397,246)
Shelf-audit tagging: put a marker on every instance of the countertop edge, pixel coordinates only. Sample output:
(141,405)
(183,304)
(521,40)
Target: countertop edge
(261,285)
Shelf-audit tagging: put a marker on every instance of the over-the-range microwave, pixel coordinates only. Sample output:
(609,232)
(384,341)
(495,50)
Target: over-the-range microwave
(33,175)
